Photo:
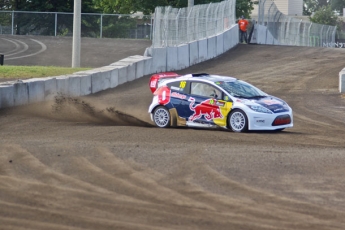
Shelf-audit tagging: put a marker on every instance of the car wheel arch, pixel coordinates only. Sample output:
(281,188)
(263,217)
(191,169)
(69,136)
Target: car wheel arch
(236,109)
(165,112)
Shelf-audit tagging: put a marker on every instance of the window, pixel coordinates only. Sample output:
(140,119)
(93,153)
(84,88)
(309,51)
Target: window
(205,90)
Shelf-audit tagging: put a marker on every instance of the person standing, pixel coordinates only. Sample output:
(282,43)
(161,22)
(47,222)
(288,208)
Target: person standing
(243,24)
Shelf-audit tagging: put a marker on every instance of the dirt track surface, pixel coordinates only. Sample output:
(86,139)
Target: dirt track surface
(84,164)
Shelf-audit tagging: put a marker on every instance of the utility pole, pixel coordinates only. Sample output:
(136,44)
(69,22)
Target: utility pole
(190,3)
(76,34)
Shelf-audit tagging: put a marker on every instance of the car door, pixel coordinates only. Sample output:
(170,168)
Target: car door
(204,104)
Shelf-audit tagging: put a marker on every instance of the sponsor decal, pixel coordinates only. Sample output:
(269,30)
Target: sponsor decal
(219,103)
(271,102)
(153,83)
(260,121)
(163,94)
(178,95)
(183,84)
(206,108)
(279,109)
(175,88)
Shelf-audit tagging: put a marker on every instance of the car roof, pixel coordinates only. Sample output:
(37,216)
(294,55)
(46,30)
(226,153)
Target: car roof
(207,77)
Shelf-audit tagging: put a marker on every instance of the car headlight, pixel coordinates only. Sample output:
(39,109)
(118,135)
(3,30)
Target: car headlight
(259,109)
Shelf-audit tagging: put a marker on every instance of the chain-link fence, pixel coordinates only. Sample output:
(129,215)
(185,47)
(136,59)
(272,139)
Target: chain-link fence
(61,24)
(287,30)
(173,26)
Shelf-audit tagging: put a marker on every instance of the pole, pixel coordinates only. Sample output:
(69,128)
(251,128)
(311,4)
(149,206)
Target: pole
(76,34)
(190,3)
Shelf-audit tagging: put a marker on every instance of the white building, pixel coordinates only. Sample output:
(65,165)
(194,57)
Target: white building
(287,7)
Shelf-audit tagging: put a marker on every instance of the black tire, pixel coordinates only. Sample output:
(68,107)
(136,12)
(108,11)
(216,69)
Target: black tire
(161,117)
(238,121)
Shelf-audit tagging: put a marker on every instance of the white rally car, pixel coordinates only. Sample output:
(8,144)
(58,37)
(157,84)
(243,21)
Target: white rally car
(208,101)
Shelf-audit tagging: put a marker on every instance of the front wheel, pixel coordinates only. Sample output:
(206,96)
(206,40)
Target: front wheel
(238,121)
(161,117)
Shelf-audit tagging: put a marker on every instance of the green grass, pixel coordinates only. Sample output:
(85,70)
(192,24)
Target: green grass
(23,72)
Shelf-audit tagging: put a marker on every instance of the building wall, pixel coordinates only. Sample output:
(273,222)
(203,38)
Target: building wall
(295,7)
(287,7)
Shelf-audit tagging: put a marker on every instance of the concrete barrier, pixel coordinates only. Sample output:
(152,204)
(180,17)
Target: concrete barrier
(193,53)
(211,47)
(85,83)
(74,86)
(269,38)
(20,93)
(140,61)
(235,38)
(50,88)
(203,49)
(172,58)
(6,96)
(342,81)
(159,60)
(148,65)
(227,40)
(35,89)
(220,44)
(183,56)
(62,83)
(100,80)
(131,63)
(262,32)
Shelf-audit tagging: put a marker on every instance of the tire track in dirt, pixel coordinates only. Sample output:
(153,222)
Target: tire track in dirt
(96,163)
(179,198)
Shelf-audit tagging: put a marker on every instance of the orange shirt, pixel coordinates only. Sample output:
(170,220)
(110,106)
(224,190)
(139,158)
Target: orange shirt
(243,23)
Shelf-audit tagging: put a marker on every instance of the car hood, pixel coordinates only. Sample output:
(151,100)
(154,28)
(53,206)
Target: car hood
(274,104)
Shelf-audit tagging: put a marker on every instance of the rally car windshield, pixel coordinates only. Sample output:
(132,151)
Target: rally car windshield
(241,89)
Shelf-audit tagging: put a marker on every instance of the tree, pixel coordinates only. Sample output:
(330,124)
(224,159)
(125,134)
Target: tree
(325,15)
(26,23)
(338,5)
(243,7)
(311,6)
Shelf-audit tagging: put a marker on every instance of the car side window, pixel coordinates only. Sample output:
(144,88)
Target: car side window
(205,90)
(180,86)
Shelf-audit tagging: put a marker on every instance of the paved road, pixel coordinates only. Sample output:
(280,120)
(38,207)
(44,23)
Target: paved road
(57,51)
(97,163)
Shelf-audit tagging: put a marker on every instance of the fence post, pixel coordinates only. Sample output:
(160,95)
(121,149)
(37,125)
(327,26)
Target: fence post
(101,27)
(320,35)
(309,34)
(2,57)
(55,24)
(177,26)
(208,7)
(327,37)
(298,30)
(12,21)
(151,30)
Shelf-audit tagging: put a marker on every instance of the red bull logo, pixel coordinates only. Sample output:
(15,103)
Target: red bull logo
(207,108)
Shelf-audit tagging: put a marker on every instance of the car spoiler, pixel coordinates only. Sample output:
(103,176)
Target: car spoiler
(156,78)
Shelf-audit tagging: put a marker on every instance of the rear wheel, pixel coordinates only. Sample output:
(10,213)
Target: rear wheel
(161,117)
(238,121)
